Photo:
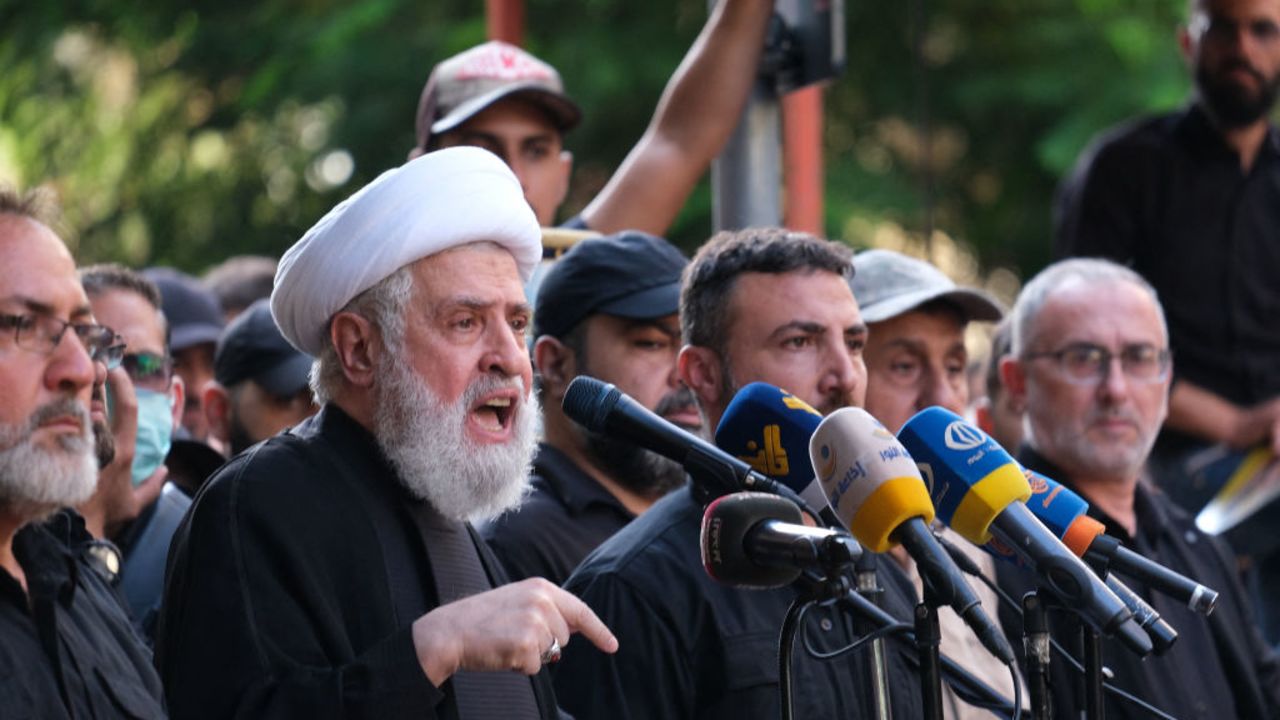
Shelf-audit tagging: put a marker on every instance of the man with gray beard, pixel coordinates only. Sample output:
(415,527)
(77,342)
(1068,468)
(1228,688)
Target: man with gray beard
(608,309)
(331,571)
(1090,364)
(69,649)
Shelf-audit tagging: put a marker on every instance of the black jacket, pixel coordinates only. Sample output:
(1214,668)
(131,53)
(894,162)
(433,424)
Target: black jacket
(67,646)
(286,591)
(1218,668)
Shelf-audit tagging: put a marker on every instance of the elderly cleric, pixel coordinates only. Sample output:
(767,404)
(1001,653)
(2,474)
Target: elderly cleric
(332,571)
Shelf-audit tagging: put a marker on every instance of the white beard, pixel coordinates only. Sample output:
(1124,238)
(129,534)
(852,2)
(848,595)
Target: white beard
(36,480)
(425,441)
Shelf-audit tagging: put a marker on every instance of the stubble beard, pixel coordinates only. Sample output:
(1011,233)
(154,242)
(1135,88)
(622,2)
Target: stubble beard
(36,480)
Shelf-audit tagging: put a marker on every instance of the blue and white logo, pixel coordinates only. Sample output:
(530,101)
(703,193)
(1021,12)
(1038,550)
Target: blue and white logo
(962,436)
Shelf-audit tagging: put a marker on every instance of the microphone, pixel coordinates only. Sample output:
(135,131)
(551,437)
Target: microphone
(980,491)
(755,540)
(1063,514)
(875,489)
(1085,537)
(769,429)
(603,408)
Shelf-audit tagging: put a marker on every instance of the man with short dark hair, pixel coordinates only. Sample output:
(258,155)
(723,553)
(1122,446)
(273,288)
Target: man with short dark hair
(1090,363)
(608,309)
(69,650)
(139,511)
(332,569)
(259,382)
(501,98)
(756,305)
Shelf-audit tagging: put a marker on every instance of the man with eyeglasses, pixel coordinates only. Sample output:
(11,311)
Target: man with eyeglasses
(1090,364)
(1191,200)
(134,506)
(68,648)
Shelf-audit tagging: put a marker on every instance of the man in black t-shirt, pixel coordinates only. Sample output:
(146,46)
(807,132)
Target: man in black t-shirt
(607,309)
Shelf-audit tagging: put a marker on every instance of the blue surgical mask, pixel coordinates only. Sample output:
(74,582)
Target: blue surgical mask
(155,433)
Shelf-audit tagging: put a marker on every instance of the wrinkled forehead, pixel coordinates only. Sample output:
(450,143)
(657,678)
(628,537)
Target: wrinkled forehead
(37,273)
(1096,311)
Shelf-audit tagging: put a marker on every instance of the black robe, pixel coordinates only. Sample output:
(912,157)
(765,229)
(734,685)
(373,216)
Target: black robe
(293,584)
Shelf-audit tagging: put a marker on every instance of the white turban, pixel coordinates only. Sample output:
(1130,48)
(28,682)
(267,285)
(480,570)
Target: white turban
(438,201)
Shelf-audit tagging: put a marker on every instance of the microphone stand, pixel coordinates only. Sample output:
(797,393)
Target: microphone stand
(928,640)
(1091,649)
(1036,647)
(810,589)
(869,588)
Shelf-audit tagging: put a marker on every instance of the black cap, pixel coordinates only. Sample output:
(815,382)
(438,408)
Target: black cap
(192,311)
(252,348)
(628,274)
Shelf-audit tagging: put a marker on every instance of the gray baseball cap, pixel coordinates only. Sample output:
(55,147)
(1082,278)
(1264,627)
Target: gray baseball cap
(887,284)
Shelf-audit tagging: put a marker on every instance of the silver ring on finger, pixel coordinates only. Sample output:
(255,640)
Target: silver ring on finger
(552,653)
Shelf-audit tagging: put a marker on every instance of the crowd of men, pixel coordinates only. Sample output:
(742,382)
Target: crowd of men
(344,484)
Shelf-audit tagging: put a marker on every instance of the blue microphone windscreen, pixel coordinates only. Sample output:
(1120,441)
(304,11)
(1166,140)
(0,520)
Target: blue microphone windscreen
(1052,504)
(970,477)
(769,429)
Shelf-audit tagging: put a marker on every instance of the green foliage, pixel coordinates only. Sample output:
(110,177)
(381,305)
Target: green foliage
(180,133)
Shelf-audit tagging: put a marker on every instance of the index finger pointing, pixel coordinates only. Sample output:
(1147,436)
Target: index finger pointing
(582,619)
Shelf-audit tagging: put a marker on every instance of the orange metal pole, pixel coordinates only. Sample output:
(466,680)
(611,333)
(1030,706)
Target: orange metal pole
(802,159)
(504,20)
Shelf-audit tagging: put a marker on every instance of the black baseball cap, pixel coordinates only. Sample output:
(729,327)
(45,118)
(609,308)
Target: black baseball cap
(253,348)
(191,310)
(629,274)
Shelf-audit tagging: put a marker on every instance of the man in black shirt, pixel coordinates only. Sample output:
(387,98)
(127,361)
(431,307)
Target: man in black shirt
(607,309)
(1090,364)
(68,649)
(331,571)
(757,305)
(1191,200)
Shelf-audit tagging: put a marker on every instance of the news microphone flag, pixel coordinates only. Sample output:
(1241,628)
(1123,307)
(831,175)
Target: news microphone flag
(769,429)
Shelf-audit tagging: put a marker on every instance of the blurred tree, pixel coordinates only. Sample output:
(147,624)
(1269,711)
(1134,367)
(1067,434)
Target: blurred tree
(180,133)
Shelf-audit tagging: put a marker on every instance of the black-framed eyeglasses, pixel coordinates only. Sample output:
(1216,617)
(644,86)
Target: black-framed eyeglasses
(149,370)
(41,333)
(1086,363)
(112,355)
(1222,30)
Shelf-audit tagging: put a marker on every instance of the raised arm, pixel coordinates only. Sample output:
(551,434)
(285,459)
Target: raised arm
(696,114)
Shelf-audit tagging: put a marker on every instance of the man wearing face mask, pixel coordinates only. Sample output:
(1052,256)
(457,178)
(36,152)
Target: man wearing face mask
(131,305)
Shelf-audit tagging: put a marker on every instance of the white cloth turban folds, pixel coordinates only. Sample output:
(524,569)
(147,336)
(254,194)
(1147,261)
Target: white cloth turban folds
(430,204)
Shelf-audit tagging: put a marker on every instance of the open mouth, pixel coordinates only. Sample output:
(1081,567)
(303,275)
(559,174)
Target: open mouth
(494,414)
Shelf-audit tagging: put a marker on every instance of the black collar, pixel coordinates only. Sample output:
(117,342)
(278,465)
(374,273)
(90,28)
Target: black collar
(47,553)
(575,489)
(1150,516)
(1199,133)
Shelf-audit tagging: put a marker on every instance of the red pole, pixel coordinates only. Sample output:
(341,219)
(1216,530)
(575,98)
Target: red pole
(504,20)
(802,159)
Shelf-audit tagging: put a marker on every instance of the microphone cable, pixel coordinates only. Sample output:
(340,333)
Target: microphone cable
(967,687)
(1062,652)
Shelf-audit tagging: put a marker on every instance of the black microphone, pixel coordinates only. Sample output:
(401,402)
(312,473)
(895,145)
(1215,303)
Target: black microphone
(601,407)
(755,540)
